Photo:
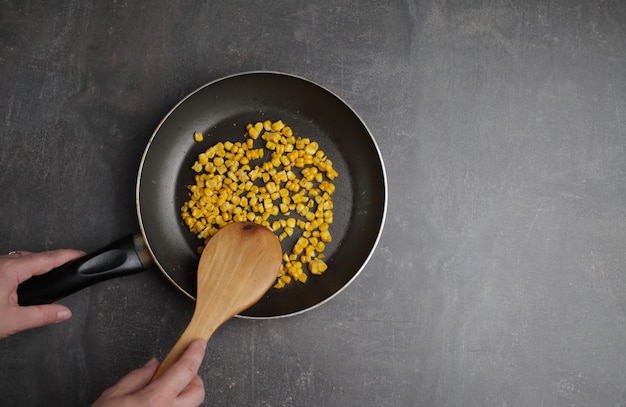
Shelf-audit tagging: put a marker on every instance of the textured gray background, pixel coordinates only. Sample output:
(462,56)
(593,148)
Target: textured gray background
(499,279)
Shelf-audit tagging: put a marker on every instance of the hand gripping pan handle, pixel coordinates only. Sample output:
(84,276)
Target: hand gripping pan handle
(126,256)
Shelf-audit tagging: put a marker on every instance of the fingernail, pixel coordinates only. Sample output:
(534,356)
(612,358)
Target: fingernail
(203,344)
(150,362)
(63,314)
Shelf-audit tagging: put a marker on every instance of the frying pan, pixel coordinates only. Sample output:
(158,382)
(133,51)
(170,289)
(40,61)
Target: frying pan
(220,110)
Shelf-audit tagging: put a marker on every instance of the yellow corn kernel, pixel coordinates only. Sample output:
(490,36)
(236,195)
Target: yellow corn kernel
(278,125)
(197,167)
(286,131)
(311,148)
(198,137)
(317,266)
(255,131)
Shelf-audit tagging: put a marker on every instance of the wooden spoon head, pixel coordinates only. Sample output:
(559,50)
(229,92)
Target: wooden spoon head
(237,266)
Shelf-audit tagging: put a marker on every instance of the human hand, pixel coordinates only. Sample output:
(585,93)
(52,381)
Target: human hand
(18,267)
(179,386)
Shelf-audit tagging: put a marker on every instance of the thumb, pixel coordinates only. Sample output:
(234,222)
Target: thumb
(134,381)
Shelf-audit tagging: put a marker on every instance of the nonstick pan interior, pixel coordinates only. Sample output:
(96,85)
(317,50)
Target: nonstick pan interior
(220,110)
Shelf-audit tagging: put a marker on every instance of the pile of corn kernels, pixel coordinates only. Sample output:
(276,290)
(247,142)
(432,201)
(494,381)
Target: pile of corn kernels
(285,185)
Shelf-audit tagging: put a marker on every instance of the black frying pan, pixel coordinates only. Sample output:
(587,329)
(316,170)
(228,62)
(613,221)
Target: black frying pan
(221,109)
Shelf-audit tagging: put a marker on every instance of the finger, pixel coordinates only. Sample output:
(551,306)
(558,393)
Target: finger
(181,373)
(193,394)
(33,264)
(134,381)
(34,316)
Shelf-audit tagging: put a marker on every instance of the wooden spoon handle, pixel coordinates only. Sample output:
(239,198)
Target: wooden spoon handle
(193,331)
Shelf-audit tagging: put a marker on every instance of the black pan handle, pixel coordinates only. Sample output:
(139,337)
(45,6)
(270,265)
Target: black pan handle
(124,257)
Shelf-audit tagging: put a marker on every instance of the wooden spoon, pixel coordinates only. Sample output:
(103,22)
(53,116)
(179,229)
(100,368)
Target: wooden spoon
(236,268)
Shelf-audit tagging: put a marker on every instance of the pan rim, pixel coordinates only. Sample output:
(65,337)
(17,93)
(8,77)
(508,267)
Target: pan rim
(383,174)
